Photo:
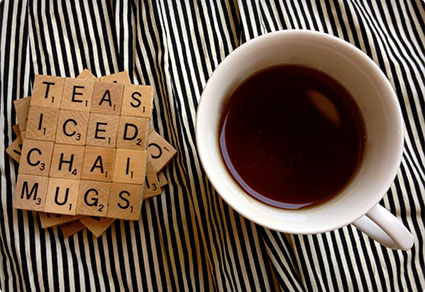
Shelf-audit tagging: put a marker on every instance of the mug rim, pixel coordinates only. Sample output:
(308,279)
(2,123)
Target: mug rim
(349,218)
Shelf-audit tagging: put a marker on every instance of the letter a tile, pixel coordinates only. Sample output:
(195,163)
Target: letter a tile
(107,98)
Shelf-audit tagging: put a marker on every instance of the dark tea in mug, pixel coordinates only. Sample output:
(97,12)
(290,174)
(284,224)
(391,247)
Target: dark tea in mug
(291,136)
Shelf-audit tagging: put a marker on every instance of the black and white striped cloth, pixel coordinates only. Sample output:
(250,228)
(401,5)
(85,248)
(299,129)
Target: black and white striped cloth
(188,239)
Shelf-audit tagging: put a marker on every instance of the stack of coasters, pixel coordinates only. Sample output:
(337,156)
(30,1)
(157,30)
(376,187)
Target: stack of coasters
(86,151)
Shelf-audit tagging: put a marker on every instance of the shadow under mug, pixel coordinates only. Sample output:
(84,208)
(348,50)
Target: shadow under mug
(356,204)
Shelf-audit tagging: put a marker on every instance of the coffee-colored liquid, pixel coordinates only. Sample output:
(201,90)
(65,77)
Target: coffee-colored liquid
(291,136)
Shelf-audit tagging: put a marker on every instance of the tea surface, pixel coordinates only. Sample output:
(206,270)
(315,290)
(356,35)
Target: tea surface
(291,136)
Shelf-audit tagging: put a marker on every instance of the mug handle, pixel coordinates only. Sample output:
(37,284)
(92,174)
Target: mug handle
(385,228)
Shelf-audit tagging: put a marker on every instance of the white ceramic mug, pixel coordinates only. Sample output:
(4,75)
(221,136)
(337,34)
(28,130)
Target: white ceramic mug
(358,203)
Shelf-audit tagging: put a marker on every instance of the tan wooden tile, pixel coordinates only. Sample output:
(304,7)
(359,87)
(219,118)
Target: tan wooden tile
(160,150)
(93,198)
(107,98)
(22,107)
(120,77)
(98,163)
(102,130)
(86,74)
(16,130)
(71,228)
(42,123)
(62,196)
(30,192)
(67,161)
(152,184)
(15,149)
(130,166)
(162,179)
(137,101)
(72,127)
(125,201)
(77,94)
(36,157)
(132,133)
(97,225)
(51,220)
(47,91)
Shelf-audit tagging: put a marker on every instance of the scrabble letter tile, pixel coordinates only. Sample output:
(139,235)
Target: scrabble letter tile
(93,198)
(15,149)
(22,107)
(102,130)
(86,74)
(120,77)
(50,220)
(77,94)
(47,91)
(130,166)
(160,150)
(36,157)
(107,98)
(97,225)
(42,123)
(98,163)
(67,161)
(72,127)
(62,196)
(152,183)
(125,201)
(137,101)
(30,192)
(132,133)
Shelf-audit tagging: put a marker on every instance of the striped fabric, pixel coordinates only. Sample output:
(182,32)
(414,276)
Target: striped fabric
(188,239)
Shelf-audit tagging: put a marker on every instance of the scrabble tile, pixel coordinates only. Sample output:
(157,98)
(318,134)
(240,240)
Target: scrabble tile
(16,130)
(162,179)
(86,74)
(98,163)
(107,98)
(15,149)
(125,201)
(30,192)
(42,123)
(77,94)
(47,91)
(93,198)
(160,150)
(72,127)
(130,166)
(67,161)
(152,186)
(71,228)
(36,157)
(102,130)
(62,196)
(132,133)
(120,77)
(51,220)
(22,107)
(137,101)
(97,225)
